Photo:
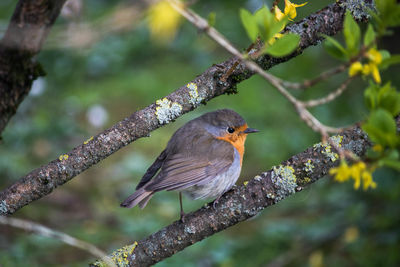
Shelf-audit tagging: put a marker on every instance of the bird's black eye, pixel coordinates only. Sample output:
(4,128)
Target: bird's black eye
(230,130)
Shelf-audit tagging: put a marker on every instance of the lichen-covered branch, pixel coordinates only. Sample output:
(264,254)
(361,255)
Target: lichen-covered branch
(243,202)
(28,28)
(204,87)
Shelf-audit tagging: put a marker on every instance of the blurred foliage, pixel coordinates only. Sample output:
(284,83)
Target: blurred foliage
(88,89)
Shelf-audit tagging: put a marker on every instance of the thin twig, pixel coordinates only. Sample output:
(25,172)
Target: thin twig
(47,232)
(330,97)
(232,69)
(323,76)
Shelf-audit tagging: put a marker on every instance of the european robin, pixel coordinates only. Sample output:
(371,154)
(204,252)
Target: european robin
(203,159)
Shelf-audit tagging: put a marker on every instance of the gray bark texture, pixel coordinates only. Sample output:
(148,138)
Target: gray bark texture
(206,86)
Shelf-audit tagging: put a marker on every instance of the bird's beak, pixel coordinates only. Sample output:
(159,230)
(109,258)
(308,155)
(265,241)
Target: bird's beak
(250,130)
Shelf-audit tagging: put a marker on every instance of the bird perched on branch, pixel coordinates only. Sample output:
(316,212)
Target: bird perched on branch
(203,159)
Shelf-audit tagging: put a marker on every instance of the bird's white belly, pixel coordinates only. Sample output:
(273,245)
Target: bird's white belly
(218,185)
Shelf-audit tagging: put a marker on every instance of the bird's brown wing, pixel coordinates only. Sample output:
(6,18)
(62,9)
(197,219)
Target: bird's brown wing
(183,170)
(152,170)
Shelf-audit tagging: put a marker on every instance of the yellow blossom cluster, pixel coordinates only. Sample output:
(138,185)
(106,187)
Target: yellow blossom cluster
(163,21)
(358,172)
(289,11)
(370,68)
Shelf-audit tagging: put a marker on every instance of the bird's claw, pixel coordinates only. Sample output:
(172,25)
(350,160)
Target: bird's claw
(183,217)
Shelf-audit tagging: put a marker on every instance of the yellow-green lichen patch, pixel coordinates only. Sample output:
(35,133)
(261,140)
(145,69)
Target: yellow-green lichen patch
(328,153)
(194,97)
(63,157)
(257,178)
(119,256)
(270,195)
(326,149)
(284,181)
(306,180)
(167,110)
(3,207)
(337,140)
(308,166)
(87,141)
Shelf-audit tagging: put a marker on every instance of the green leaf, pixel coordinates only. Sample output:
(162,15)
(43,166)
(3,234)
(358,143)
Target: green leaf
(389,12)
(385,54)
(369,36)
(392,154)
(381,128)
(267,24)
(284,45)
(373,155)
(394,164)
(389,99)
(392,60)
(263,20)
(352,34)
(249,23)
(334,48)
(275,27)
(385,97)
(371,96)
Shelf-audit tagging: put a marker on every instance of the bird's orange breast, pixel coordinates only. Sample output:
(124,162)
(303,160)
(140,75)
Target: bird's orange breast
(237,139)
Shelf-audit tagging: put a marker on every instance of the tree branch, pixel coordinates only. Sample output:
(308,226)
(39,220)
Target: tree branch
(243,202)
(206,86)
(28,28)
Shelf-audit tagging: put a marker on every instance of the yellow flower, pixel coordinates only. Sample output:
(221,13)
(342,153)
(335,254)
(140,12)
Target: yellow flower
(355,68)
(278,14)
(163,21)
(358,172)
(290,9)
(276,37)
(374,56)
(366,70)
(377,148)
(375,72)
(367,180)
(341,173)
(370,68)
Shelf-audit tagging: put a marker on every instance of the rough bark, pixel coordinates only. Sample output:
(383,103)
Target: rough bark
(204,87)
(241,203)
(28,28)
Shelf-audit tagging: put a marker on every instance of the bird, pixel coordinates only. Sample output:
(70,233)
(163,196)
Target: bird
(203,160)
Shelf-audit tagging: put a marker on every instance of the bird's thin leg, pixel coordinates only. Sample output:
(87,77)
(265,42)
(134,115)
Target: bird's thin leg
(182,212)
(215,202)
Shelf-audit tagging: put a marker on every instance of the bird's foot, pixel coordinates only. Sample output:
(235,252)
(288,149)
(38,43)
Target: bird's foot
(182,216)
(215,202)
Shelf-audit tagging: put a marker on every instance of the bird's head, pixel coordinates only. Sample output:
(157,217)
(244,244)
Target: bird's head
(227,125)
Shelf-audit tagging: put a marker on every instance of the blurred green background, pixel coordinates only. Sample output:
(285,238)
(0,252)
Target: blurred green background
(102,65)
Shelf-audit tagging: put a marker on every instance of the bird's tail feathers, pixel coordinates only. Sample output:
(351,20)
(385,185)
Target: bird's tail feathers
(143,203)
(140,197)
